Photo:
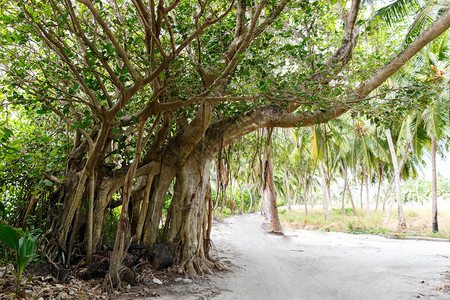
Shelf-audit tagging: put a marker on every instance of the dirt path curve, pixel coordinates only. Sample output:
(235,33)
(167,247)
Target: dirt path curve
(322,265)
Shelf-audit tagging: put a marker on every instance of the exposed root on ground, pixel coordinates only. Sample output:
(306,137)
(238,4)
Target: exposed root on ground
(276,232)
(199,266)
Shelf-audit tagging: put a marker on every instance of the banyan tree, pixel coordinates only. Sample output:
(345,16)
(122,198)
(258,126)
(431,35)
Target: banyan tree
(148,92)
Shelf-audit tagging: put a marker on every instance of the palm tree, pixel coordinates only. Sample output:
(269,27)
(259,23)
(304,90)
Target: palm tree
(432,70)
(364,155)
(405,168)
(401,217)
(422,13)
(418,13)
(435,116)
(339,143)
(269,187)
(318,145)
(304,160)
(286,162)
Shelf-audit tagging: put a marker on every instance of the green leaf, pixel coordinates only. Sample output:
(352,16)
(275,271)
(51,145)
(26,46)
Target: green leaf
(47,182)
(109,49)
(9,237)
(2,209)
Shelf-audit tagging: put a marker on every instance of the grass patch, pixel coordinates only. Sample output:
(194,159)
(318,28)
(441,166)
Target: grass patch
(418,221)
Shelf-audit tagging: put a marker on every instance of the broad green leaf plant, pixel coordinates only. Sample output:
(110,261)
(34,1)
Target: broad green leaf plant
(23,249)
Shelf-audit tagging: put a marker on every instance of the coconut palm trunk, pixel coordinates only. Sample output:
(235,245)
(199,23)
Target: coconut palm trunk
(344,171)
(269,188)
(401,217)
(367,196)
(325,192)
(380,180)
(343,199)
(288,191)
(305,194)
(434,211)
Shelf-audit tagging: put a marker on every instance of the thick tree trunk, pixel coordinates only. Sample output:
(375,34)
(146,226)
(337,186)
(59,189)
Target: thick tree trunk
(150,233)
(78,171)
(123,227)
(186,230)
(149,188)
(71,195)
(103,197)
(434,209)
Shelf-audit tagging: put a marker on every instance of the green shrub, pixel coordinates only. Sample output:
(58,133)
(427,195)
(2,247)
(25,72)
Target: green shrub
(23,249)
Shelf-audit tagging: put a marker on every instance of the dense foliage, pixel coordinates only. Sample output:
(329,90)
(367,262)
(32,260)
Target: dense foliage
(130,112)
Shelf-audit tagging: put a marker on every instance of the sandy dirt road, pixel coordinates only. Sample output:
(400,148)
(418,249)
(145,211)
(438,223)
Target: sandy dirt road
(324,265)
(315,265)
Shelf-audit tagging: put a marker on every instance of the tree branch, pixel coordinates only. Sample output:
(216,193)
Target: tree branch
(222,132)
(113,39)
(59,50)
(91,46)
(65,119)
(432,32)
(344,53)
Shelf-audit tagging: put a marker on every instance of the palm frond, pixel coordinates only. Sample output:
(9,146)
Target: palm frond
(421,139)
(395,12)
(422,20)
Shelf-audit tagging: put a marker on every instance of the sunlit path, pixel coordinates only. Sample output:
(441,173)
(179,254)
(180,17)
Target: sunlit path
(322,265)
